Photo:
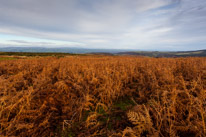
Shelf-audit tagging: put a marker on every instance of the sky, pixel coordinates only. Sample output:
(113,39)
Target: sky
(169,25)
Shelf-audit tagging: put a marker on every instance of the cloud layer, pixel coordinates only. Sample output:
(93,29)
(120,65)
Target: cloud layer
(127,24)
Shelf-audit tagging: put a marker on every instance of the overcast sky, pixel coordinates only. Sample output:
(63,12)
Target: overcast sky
(116,24)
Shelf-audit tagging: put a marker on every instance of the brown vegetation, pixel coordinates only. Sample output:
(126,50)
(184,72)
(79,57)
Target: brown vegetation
(103,96)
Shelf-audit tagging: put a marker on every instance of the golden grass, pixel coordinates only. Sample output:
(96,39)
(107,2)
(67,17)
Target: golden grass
(103,96)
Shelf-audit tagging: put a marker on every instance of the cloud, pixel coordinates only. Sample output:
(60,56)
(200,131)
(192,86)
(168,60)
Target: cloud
(23,43)
(135,24)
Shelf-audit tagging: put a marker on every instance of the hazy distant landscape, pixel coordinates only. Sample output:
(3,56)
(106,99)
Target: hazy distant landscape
(60,50)
(64,51)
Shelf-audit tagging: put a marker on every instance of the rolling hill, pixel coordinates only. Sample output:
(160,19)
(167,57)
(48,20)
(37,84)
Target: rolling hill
(121,52)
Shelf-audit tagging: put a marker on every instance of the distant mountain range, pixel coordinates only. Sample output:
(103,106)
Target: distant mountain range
(197,53)
(60,50)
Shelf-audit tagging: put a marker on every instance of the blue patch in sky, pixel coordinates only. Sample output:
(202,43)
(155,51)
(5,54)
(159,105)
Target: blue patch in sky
(170,6)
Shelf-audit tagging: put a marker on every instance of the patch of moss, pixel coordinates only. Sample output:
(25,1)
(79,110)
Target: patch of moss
(101,110)
(68,133)
(118,118)
(64,133)
(85,114)
(124,103)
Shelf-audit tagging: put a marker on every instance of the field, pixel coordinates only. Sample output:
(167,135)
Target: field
(103,96)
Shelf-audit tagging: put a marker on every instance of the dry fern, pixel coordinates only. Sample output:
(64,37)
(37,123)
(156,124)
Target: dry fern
(38,94)
(140,119)
(92,120)
(136,118)
(129,132)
